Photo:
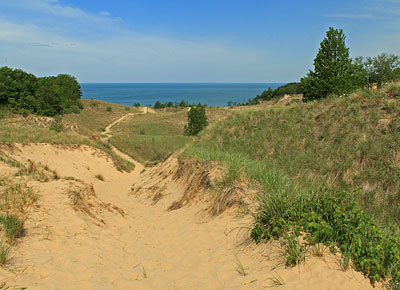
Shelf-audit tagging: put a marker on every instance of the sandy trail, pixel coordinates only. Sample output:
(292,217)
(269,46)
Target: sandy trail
(128,242)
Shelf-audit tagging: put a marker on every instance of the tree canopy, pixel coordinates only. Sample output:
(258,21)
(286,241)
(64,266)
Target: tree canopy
(49,96)
(197,120)
(334,71)
(377,70)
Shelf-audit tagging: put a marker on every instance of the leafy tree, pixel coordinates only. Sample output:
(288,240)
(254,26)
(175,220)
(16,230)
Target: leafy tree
(197,120)
(334,72)
(25,93)
(379,69)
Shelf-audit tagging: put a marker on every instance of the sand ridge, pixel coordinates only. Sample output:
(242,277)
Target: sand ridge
(131,242)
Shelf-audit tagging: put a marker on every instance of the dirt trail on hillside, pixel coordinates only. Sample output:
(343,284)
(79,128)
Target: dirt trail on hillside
(86,233)
(107,135)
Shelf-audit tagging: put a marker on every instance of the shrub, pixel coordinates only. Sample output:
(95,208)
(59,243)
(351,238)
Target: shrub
(57,125)
(197,120)
(335,220)
(75,109)
(158,105)
(136,105)
(94,103)
(109,109)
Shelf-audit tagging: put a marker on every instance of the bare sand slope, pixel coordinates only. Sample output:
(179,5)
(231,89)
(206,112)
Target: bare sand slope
(113,237)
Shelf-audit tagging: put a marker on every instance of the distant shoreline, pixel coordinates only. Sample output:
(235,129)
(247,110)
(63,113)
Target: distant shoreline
(212,94)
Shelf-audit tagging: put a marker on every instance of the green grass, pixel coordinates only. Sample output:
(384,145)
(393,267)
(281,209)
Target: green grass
(152,137)
(97,114)
(149,148)
(100,177)
(15,196)
(329,168)
(338,143)
(12,226)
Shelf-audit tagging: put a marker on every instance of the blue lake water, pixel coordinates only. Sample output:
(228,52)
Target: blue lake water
(212,94)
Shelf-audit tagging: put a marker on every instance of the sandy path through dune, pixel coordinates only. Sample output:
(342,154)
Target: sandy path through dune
(141,245)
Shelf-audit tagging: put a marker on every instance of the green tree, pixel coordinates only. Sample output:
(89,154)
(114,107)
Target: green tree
(197,120)
(379,69)
(334,72)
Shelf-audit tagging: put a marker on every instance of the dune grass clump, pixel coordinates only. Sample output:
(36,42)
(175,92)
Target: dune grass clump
(4,252)
(100,177)
(12,226)
(15,196)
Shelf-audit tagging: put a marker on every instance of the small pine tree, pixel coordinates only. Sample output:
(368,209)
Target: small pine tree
(334,72)
(197,120)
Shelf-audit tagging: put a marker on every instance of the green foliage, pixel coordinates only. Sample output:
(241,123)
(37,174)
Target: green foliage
(57,124)
(94,104)
(13,226)
(136,105)
(287,89)
(296,156)
(108,109)
(4,252)
(197,120)
(380,69)
(49,96)
(337,221)
(159,105)
(183,104)
(100,177)
(294,251)
(334,72)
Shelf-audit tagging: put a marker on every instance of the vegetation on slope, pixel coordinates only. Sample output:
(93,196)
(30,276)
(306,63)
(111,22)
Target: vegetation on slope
(310,161)
(14,128)
(152,137)
(95,117)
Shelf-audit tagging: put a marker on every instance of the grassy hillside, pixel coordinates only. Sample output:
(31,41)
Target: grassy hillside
(151,137)
(96,115)
(310,163)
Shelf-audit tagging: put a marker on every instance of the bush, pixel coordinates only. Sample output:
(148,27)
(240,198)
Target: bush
(136,105)
(75,109)
(197,120)
(57,125)
(336,221)
(109,109)
(94,103)
(158,105)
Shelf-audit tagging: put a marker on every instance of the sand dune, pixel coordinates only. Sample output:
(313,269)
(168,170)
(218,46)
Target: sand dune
(119,238)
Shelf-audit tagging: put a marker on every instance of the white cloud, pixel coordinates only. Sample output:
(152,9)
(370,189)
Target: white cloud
(54,8)
(127,56)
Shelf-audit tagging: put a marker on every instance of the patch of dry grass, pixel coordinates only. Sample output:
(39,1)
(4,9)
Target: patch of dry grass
(95,116)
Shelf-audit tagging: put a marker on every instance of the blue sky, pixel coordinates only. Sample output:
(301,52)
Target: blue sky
(187,41)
